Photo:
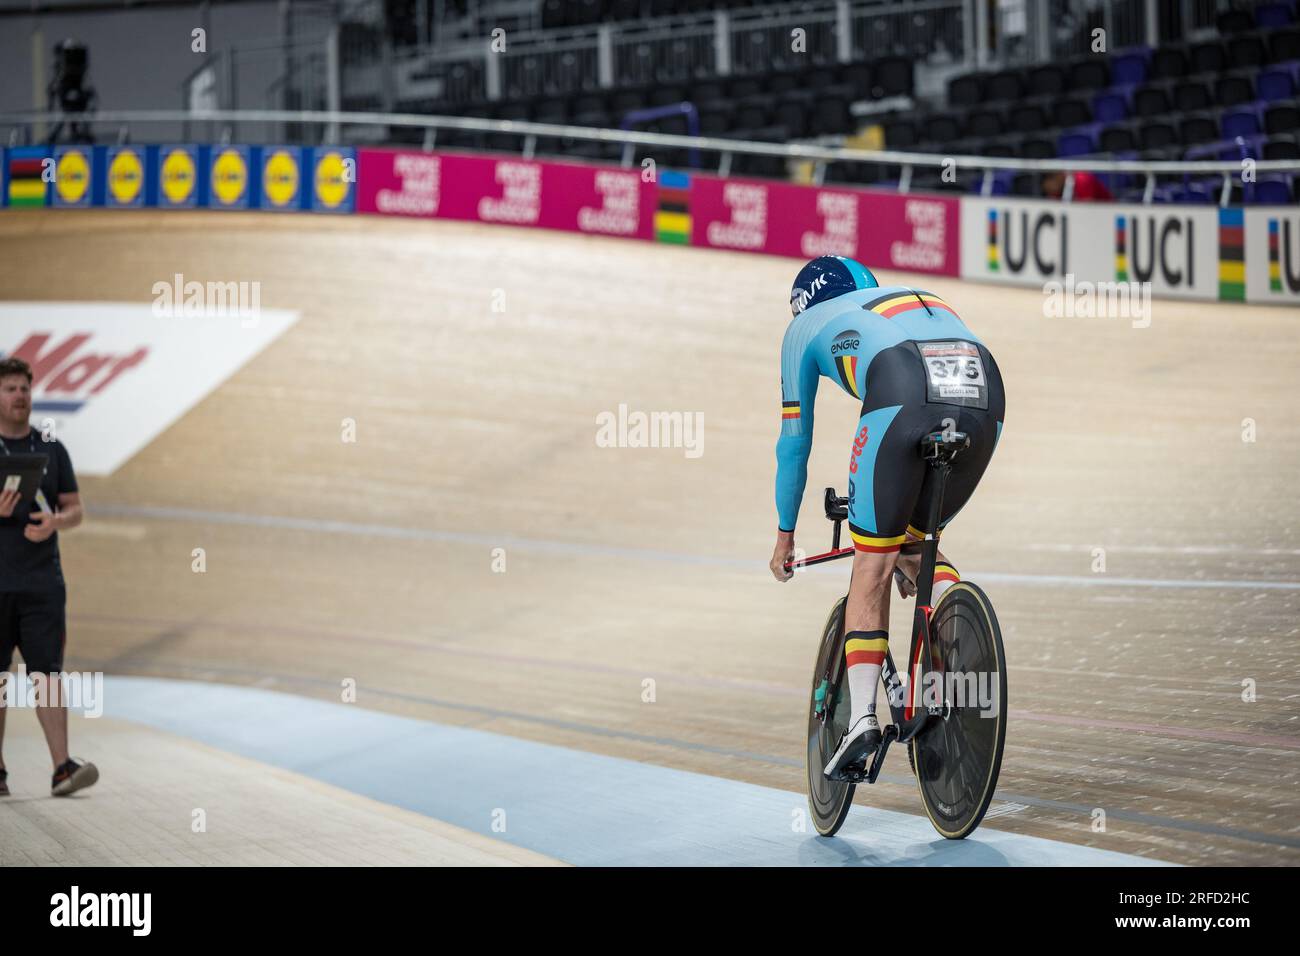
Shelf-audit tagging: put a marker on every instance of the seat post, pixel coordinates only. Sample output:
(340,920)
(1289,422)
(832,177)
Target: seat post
(932,489)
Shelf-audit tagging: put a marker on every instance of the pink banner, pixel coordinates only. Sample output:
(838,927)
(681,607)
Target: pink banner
(879,229)
(592,199)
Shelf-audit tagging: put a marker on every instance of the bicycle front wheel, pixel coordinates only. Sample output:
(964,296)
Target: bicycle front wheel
(828,720)
(958,755)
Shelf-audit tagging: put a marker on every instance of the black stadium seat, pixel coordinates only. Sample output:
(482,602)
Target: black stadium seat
(1046,81)
(1282,118)
(984,123)
(1234,21)
(1247,51)
(707,92)
(1151,101)
(667,95)
(751,118)
(1004,87)
(966,90)
(1118,139)
(793,117)
(1089,74)
(818,79)
(832,116)
(1208,57)
(893,77)
(1200,128)
(589,103)
(857,76)
(1037,148)
(943,129)
(1158,135)
(1192,95)
(1027,119)
(1282,147)
(1284,45)
(1071,112)
(1233,90)
(1168,63)
(900,133)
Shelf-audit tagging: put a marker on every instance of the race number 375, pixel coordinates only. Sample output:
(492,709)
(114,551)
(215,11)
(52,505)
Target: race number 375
(954,370)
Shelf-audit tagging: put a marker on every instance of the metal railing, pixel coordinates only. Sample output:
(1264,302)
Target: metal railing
(530,133)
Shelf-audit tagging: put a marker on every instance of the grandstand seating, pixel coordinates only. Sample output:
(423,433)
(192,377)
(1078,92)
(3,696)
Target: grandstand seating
(1233,96)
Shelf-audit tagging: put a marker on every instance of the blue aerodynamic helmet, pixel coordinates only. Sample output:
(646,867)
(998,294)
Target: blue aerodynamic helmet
(826,277)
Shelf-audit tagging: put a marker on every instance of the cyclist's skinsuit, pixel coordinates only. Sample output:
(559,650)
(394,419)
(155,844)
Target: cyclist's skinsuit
(916,368)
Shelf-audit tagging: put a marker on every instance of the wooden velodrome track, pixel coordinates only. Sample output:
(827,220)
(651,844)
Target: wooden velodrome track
(476,430)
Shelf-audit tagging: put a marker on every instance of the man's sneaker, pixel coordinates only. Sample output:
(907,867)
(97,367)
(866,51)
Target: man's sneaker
(856,746)
(74,775)
(4,783)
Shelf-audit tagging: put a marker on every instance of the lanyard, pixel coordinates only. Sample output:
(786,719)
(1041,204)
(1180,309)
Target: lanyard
(31,441)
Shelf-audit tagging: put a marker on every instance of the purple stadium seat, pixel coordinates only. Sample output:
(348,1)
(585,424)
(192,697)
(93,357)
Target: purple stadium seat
(1130,69)
(1110,107)
(1273,191)
(1240,122)
(1275,84)
(1075,143)
(1273,15)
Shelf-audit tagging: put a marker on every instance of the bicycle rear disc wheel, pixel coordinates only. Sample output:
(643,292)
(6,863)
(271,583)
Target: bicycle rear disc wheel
(828,800)
(957,758)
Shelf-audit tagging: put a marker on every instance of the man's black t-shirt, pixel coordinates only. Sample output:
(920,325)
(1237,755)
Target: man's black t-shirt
(26,565)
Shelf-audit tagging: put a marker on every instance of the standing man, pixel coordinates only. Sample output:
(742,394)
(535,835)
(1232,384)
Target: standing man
(33,598)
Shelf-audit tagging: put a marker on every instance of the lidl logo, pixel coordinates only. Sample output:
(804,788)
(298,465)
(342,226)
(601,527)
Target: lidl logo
(280,179)
(125,177)
(177,177)
(332,180)
(230,178)
(72,178)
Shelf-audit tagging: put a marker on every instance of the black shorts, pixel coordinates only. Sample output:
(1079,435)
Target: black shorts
(902,405)
(34,622)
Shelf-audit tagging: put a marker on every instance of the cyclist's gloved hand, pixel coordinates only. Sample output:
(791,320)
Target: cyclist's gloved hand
(782,554)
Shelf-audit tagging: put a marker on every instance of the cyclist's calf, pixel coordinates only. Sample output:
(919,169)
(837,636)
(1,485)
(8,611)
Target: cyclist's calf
(867,608)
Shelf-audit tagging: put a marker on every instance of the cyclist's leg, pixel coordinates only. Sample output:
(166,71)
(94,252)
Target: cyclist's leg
(885,474)
(983,426)
(945,574)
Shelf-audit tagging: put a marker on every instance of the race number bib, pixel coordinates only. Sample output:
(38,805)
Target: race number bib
(954,373)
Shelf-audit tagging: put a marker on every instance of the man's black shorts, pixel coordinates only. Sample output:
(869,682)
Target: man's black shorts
(902,405)
(34,622)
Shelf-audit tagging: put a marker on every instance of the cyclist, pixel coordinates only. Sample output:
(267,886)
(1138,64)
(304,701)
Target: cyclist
(916,368)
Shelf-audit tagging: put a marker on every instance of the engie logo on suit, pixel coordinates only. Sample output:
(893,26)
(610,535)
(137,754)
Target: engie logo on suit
(113,376)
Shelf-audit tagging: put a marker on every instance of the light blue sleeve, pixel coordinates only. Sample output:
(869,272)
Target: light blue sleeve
(799,378)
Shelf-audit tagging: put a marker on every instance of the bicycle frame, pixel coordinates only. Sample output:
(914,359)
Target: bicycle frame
(908,720)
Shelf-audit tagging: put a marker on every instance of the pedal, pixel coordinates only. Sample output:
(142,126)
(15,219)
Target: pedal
(887,737)
(854,773)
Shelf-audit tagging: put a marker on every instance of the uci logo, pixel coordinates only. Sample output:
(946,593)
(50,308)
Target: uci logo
(858,444)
